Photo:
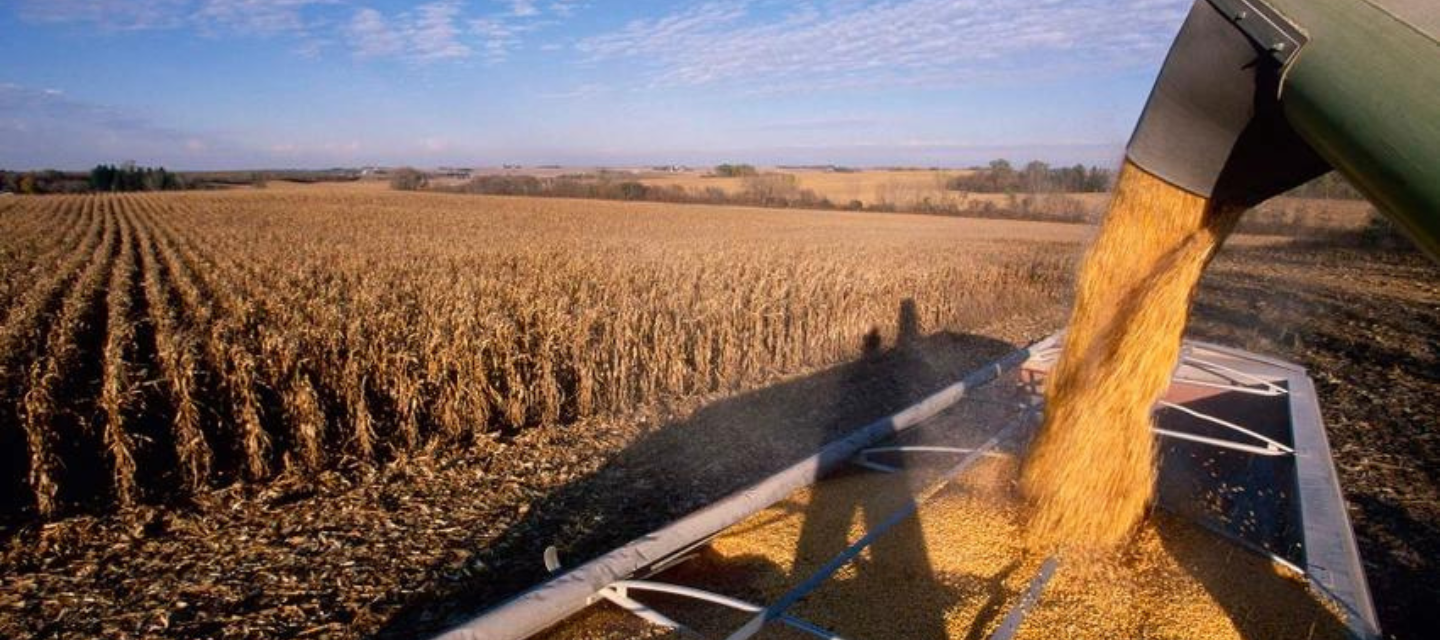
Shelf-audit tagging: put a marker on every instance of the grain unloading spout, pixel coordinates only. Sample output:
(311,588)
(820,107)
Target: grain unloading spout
(1259,96)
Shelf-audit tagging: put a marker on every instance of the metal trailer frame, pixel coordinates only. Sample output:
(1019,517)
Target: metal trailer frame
(1327,553)
(560,597)
(1328,556)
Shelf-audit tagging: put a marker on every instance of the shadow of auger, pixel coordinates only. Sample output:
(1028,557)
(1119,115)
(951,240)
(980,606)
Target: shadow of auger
(682,466)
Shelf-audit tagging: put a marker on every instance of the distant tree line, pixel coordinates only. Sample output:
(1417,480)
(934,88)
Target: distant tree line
(408,179)
(734,170)
(45,181)
(761,190)
(775,190)
(1037,192)
(260,178)
(1036,177)
(128,177)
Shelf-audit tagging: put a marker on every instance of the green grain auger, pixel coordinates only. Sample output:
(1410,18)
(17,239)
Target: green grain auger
(1259,96)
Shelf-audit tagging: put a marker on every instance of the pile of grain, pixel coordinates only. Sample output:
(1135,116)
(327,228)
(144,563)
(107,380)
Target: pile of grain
(960,566)
(1091,469)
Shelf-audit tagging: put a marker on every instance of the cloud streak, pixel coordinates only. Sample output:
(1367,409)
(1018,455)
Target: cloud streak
(120,15)
(915,42)
(434,34)
(430,33)
(249,17)
(523,8)
(436,31)
(46,128)
(371,36)
(255,17)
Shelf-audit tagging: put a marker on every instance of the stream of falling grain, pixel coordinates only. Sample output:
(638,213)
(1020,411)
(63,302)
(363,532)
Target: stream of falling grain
(1091,470)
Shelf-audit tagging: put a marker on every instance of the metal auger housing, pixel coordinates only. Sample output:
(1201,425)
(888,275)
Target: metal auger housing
(1259,96)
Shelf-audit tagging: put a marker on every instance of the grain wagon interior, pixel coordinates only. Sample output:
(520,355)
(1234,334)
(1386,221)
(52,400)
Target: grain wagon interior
(1222,558)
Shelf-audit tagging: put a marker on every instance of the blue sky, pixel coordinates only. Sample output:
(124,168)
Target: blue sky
(207,84)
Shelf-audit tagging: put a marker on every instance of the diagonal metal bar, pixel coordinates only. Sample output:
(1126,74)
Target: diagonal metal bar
(546,604)
(1236,376)
(1270,443)
(720,599)
(618,597)
(863,458)
(778,609)
(1221,443)
(1011,624)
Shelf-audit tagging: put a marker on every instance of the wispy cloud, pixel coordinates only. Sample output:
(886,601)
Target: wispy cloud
(566,8)
(913,42)
(255,17)
(108,14)
(1058,72)
(434,31)
(503,32)
(500,36)
(430,33)
(586,90)
(827,125)
(46,127)
(434,34)
(252,17)
(441,31)
(523,8)
(371,35)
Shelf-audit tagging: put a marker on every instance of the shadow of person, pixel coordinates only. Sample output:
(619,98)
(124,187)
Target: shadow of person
(907,326)
(900,558)
(688,463)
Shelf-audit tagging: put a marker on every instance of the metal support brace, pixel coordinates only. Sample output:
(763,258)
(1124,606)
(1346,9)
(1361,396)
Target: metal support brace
(1239,381)
(1272,447)
(778,609)
(863,458)
(1221,443)
(1219,370)
(618,596)
(623,586)
(1011,625)
(618,593)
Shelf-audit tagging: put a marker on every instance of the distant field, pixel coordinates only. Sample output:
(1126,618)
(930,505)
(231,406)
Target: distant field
(1308,216)
(900,189)
(870,187)
(155,344)
(913,189)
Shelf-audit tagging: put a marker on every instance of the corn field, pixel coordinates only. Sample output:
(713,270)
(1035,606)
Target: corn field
(157,345)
